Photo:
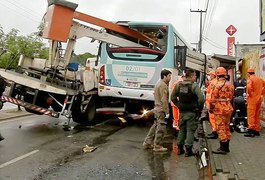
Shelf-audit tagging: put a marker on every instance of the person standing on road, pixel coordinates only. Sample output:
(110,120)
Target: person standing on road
(175,110)
(221,106)
(2,89)
(156,133)
(212,81)
(189,99)
(255,89)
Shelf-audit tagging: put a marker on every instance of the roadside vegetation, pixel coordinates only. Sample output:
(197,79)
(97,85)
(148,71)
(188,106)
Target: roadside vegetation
(12,45)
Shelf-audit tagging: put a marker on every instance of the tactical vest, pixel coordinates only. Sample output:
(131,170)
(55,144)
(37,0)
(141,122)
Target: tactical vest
(187,99)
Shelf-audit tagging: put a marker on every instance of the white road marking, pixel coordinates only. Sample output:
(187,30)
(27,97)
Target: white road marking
(18,158)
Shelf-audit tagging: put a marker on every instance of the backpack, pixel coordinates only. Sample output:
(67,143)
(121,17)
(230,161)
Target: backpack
(187,100)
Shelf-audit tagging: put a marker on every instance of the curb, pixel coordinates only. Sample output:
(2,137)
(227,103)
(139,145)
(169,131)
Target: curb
(13,113)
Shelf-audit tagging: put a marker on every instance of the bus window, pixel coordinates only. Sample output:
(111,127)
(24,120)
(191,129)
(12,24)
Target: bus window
(134,53)
(180,57)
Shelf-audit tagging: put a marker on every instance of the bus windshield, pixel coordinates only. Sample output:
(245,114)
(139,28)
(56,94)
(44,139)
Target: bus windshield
(148,51)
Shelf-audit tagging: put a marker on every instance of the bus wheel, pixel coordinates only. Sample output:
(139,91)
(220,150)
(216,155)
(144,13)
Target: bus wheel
(84,116)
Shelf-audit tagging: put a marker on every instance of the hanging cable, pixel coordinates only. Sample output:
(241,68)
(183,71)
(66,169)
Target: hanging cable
(213,43)
(18,12)
(22,6)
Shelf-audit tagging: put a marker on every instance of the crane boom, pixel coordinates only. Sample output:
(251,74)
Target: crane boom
(79,30)
(53,22)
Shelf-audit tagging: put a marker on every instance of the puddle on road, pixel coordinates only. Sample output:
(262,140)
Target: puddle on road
(42,128)
(156,162)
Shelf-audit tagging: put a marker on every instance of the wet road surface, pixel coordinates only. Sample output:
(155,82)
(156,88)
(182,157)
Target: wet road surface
(40,149)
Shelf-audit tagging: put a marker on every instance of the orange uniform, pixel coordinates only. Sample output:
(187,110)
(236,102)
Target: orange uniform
(207,101)
(220,105)
(175,109)
(255,90)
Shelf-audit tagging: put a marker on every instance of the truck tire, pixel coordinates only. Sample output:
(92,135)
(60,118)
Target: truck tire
(86,116)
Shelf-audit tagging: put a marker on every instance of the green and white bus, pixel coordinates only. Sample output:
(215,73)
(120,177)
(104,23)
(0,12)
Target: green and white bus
(129,74)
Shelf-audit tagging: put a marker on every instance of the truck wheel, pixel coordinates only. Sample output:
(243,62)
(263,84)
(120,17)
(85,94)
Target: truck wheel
(86,116)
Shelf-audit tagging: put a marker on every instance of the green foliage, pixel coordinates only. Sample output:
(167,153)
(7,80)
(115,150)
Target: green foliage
(81,58)
(31,46)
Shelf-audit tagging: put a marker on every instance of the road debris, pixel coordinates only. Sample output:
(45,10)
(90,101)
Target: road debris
(89,148)
(122,120)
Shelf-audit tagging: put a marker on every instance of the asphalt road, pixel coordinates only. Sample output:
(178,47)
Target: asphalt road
(36,147)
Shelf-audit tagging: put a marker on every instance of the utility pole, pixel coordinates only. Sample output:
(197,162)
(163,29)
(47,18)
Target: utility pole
(200,40)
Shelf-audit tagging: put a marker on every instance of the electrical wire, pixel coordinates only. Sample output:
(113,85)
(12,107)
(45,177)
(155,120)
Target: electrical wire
(213,43)
(32,11)
(19,13)
(209,16)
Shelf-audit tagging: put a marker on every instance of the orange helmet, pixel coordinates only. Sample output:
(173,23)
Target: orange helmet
(220,71)
(251,70)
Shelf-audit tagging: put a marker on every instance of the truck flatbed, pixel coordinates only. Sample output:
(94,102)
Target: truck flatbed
(34,83)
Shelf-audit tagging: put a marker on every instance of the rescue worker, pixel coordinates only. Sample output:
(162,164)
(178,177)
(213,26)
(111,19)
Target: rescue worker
(255,88)
(2,89)
(154,138)
(221,106)
(175,109)
(212,81)
(189,99)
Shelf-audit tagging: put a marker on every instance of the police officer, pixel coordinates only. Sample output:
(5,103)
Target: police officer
(220,105)
(156,133)
(188,97)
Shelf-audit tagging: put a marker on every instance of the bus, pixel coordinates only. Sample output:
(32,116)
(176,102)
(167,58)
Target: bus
(128,74)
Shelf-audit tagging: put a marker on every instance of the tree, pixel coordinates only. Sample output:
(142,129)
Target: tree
(81,58)
(30,46)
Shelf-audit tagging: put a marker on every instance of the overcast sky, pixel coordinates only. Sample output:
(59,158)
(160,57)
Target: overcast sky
(26,15)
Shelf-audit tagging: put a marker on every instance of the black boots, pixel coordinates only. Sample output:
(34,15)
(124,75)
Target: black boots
(180,149)
(189,151)
(256,133)
(227,146)
(223,149)
(213,135)
(1,137)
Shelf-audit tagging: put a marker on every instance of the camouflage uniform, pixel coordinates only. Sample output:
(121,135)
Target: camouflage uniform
(220,105)
(188,124)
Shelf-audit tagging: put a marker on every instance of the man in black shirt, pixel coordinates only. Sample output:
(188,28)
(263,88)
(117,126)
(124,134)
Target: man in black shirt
(240,84)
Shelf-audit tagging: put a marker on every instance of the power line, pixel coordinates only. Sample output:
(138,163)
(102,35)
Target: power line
(17,12)
(209,16)
(213,43)
(31,10)
(23,9)
(207,4)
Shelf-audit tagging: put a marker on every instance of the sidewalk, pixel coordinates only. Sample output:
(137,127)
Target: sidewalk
(246,159)
(12,113)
